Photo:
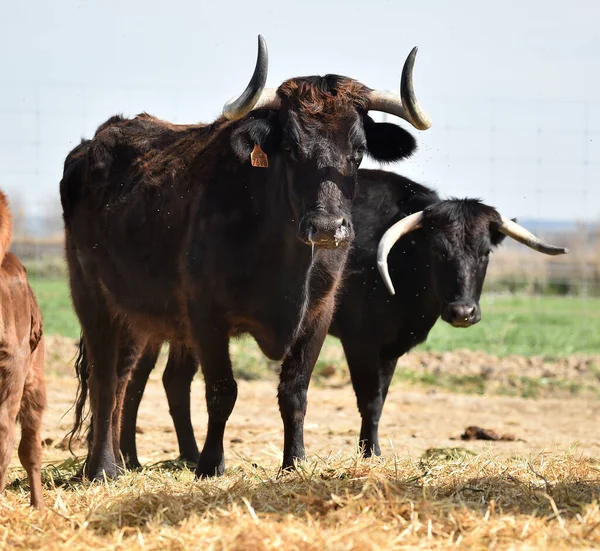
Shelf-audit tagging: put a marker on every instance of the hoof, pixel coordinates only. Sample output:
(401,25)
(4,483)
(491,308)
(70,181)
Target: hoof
(208,468)
(189,463)
(102,473)
(290,464)
(133,465)
(285,470)
(370,452)
(368,449)
(38,504)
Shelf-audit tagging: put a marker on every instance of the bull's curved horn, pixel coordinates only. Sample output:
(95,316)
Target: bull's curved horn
(395,232)
(406,105)
(254,96)
(520,234)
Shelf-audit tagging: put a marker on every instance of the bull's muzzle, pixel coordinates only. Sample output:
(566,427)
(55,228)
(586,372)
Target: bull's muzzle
(461,313)
(325,231)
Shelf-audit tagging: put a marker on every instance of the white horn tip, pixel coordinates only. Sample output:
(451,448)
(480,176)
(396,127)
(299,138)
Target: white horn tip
(424,124)
(385,275)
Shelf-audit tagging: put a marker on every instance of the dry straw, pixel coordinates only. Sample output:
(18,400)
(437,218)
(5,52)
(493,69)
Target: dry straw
(446,499)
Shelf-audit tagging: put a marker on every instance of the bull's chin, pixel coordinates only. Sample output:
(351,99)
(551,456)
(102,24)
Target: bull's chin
(325,243)
(462,323)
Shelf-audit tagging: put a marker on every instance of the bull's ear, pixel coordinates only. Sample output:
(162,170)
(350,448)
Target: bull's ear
(262,131)
(388,142)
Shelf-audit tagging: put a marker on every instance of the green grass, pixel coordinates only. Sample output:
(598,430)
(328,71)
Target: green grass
(551,326)
(522,387)
(527,326)
(55,301)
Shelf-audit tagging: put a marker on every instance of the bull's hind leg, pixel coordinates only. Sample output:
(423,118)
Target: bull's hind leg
(128,355)
(292,393)
(102,353)
(30,416)
(371,378)
(212,347)
(177,381)
(99,368)
(131,405)
(98,365)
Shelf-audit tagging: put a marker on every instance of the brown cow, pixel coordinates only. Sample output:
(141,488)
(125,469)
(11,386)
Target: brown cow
(22,388)
(199,233)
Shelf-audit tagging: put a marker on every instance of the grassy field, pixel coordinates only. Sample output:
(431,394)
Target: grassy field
(526,325)
(553,326)
(55,301)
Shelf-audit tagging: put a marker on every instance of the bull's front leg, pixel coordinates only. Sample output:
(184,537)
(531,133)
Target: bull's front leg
(293,385)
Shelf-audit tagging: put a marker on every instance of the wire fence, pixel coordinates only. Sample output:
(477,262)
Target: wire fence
(531,158)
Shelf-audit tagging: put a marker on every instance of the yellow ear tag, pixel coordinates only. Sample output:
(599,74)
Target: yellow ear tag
(259,158)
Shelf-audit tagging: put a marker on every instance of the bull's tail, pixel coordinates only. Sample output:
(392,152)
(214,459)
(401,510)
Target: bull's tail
(5,226)
(82,371)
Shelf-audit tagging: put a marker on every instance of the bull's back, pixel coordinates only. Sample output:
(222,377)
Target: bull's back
(126,200)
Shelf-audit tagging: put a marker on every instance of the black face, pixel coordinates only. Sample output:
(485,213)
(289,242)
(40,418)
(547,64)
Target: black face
(321,166)
(318,158)
(462,234)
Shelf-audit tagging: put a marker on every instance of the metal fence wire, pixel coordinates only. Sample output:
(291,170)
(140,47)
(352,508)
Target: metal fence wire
(536,159)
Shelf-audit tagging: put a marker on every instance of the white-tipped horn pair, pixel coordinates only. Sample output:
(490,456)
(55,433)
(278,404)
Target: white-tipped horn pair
(255,96)
(414,221)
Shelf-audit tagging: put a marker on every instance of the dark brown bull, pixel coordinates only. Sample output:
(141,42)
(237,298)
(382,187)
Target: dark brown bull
(197,233)
(22,389)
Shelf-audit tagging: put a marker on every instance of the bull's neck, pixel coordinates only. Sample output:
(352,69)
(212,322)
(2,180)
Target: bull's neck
(428,276)
(413,264)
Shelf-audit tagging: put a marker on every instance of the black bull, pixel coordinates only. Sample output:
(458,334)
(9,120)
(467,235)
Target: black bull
(438,270)
(194,234)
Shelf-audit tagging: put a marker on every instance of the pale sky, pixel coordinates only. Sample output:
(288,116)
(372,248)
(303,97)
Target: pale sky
(513,88)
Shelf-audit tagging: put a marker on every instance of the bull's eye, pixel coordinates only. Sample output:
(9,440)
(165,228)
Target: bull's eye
(287,149)
(484,256)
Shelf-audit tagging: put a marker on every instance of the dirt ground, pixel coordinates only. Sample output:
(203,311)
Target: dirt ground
(413,420)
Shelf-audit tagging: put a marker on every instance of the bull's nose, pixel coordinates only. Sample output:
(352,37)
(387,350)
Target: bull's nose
(342,229)
(462,314)
(324,231)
